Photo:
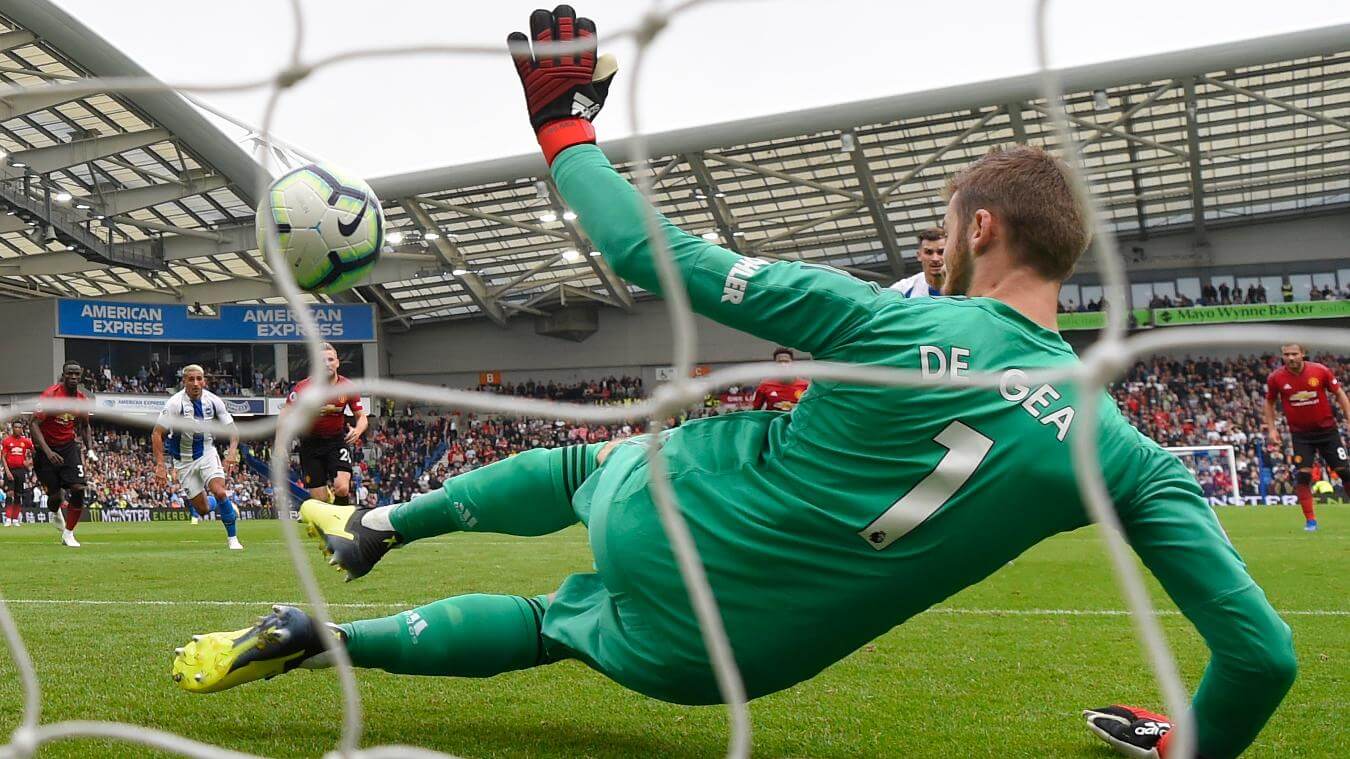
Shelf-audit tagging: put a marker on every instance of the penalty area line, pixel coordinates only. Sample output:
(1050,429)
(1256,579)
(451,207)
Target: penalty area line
(945,610)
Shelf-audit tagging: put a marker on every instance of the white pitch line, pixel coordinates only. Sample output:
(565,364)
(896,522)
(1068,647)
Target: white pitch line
(404,605)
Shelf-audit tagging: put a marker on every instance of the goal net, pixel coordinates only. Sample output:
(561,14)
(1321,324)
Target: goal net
(1104,362)
(1215,468)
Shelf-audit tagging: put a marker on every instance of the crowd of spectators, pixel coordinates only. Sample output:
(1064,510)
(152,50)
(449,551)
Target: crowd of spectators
(1210,295)
(155,379)
(1207,402)
(607,390)
(1074,307)
(1326,293)
(124,476)
(1223,295)
(396,452)
(1185,401)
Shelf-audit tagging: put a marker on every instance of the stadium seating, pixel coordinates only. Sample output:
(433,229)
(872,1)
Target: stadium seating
(1191,401)
(1186,401)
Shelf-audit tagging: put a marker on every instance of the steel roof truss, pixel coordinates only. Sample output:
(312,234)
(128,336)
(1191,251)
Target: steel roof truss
(471,282)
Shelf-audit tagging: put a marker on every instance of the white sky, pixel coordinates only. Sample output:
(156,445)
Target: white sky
(720,62)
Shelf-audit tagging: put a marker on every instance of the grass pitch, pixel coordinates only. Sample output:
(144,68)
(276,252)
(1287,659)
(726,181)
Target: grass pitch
(1000,670)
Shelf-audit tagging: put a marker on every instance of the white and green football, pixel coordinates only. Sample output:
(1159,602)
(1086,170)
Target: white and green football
(330,227)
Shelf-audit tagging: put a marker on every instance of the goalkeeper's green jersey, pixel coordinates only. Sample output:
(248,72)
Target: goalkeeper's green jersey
(827,526)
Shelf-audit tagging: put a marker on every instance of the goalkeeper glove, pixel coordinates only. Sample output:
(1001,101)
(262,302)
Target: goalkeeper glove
(562,92)
(1130,730)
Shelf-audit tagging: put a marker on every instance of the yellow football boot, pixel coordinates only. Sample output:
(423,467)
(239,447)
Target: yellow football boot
(278,643)
(350,545)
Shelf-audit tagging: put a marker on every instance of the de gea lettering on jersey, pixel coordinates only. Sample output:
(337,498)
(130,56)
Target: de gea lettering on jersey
(953,364)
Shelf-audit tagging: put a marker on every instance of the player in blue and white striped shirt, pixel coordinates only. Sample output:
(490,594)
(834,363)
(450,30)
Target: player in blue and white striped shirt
(196,462)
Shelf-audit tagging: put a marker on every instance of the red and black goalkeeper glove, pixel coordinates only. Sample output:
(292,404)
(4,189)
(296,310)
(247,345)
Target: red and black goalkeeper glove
(562,92)
(1130,730)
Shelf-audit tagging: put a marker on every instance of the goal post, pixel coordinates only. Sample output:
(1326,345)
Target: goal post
(1196,456)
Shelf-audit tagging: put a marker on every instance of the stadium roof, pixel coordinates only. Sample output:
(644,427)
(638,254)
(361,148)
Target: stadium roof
(1230,133)
(135,197)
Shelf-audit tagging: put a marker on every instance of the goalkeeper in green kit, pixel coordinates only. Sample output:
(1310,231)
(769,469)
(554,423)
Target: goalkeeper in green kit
(821,528)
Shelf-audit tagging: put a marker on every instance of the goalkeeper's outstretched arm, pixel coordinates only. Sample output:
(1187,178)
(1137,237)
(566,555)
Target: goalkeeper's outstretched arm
(805,306)
(812,308)
(1252,664)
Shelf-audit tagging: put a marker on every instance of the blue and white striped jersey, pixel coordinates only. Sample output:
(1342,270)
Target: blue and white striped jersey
(915,286)
(186,447)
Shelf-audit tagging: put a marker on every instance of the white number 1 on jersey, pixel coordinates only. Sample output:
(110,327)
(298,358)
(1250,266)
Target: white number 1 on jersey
(966,450)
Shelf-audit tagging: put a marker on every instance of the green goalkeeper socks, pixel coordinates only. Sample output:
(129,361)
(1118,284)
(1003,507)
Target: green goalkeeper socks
(528,494)
(465,636)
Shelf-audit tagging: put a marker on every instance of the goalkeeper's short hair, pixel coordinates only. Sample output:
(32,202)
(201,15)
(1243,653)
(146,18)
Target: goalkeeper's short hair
(1031,190)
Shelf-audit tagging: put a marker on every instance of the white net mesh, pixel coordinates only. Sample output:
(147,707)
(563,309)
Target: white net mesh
(1105,361)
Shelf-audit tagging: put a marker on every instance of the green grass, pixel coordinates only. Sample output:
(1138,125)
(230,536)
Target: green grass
(943,685)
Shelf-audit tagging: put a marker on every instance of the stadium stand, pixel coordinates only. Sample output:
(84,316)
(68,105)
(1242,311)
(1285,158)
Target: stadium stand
(125,476)
(1196,401)
(1178,401)
(156,379)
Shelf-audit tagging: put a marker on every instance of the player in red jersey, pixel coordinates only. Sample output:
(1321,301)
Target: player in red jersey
(1303,387)
(60,466)
(326,451)
(17,451)
(777,395)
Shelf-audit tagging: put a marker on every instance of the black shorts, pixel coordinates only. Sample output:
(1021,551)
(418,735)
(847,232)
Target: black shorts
(67,474)
(19,482)
(322,458)
(1328,443)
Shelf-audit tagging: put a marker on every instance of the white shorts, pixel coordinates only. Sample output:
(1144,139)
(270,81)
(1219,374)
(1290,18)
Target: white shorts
(195,475)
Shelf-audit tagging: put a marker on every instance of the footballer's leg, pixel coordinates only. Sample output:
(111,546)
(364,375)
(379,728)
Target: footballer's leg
(200,506)
(1305,449)
(475,635)
(313,471)
(74,509)
(342,487)
(465,636)
(1334,455)
(338,461)
(12,512)
(49,479)
(229,516)
(528,494)
(71,477)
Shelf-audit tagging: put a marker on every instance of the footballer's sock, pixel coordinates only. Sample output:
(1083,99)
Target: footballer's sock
(1305,499)
(527,494)
(465,636)
(228,516)
(74,507)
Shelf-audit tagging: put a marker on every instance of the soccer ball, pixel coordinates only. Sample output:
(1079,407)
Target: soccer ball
(330,227)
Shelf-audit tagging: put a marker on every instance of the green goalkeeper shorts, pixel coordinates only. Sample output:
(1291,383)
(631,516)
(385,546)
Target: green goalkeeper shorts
(622,619)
